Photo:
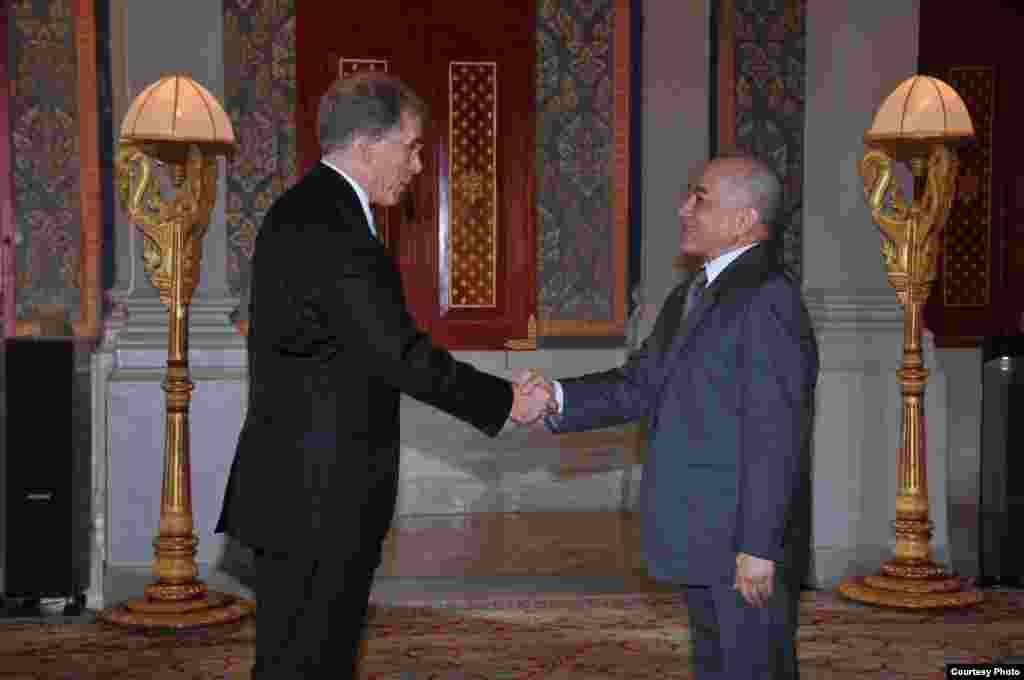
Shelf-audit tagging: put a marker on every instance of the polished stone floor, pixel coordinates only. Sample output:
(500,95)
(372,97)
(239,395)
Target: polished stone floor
(562,544)
(454,557)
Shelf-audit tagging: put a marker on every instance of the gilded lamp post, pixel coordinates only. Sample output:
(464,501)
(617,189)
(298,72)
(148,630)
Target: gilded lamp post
(175,125)
(920,123)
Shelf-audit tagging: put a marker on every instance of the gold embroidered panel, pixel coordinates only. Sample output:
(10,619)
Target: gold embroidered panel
(347,67)
(966,276)
(469,247)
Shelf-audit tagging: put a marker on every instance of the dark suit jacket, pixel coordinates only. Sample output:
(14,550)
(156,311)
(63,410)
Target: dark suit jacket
(728,395)
(331,346)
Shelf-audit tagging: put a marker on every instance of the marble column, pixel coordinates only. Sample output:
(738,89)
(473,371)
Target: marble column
(151,38)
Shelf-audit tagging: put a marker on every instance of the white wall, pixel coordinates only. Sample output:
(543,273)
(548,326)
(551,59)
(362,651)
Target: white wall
(675,131)
(857,52)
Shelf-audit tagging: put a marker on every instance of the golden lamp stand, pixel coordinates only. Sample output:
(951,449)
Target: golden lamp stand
(173,233)
(910,238)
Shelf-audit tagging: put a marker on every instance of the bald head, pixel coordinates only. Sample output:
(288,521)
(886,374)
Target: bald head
(733,204)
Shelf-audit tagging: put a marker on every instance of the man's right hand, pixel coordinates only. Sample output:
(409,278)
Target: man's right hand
(534,396)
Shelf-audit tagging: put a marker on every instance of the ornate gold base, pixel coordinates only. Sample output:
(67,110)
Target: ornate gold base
(911,585)
(212,608)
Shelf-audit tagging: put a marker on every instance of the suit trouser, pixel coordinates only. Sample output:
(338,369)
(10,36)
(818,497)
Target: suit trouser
(734,640)
(311,614)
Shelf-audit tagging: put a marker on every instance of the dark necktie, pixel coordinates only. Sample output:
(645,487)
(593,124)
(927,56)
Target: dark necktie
(695,291)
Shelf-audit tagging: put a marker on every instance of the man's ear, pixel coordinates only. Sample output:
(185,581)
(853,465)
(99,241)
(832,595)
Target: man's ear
(362,147)
(746,219)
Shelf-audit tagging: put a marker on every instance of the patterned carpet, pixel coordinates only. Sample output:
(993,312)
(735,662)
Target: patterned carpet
(555,637)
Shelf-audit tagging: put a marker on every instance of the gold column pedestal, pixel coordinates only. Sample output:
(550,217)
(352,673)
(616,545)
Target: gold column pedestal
(173,234)
(909,245)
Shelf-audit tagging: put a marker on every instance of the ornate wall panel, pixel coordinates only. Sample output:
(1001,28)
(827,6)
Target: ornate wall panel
(260,95)
(761,60)
(582,93)
(56,171)
(967,258)
(469,247)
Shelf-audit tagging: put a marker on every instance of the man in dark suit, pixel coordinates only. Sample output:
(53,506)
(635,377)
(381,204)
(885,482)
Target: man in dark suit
(726,379)
(331,346)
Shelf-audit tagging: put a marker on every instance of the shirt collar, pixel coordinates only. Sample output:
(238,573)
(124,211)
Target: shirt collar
(718,265)
(360,193)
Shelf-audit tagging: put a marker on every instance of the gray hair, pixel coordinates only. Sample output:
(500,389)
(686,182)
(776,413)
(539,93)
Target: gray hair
(368,104)
(760,187)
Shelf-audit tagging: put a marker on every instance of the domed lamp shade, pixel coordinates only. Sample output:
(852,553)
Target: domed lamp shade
(177,122)
(178,110)
(921,110)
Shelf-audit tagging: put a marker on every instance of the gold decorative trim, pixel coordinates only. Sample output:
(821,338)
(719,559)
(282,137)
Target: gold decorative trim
(582,328)
(214,608)
(527,343)
(860,592)
(940,584)
(472,256)
(964,262)
(347,67)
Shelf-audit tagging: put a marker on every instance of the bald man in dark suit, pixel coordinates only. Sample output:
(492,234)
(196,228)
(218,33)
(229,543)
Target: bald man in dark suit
(726,379)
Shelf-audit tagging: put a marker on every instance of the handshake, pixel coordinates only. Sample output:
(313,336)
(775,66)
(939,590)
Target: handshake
(534,397)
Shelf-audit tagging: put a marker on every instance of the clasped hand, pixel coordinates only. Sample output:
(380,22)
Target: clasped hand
(755,579)
(534,397)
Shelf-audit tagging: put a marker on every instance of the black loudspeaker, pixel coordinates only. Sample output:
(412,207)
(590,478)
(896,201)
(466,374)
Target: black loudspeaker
(1001,502)
(40,504)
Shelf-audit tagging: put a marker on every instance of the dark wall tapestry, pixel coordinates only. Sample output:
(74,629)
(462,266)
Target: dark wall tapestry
(259,88)
(760,65)
(54,128)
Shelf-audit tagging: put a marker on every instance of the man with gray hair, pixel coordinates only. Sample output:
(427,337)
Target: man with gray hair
(726,380)
(331,347)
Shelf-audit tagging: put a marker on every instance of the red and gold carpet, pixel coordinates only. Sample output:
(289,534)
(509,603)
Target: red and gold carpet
(534,637)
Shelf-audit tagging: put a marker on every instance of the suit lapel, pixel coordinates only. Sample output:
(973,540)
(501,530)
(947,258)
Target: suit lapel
(746,269)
